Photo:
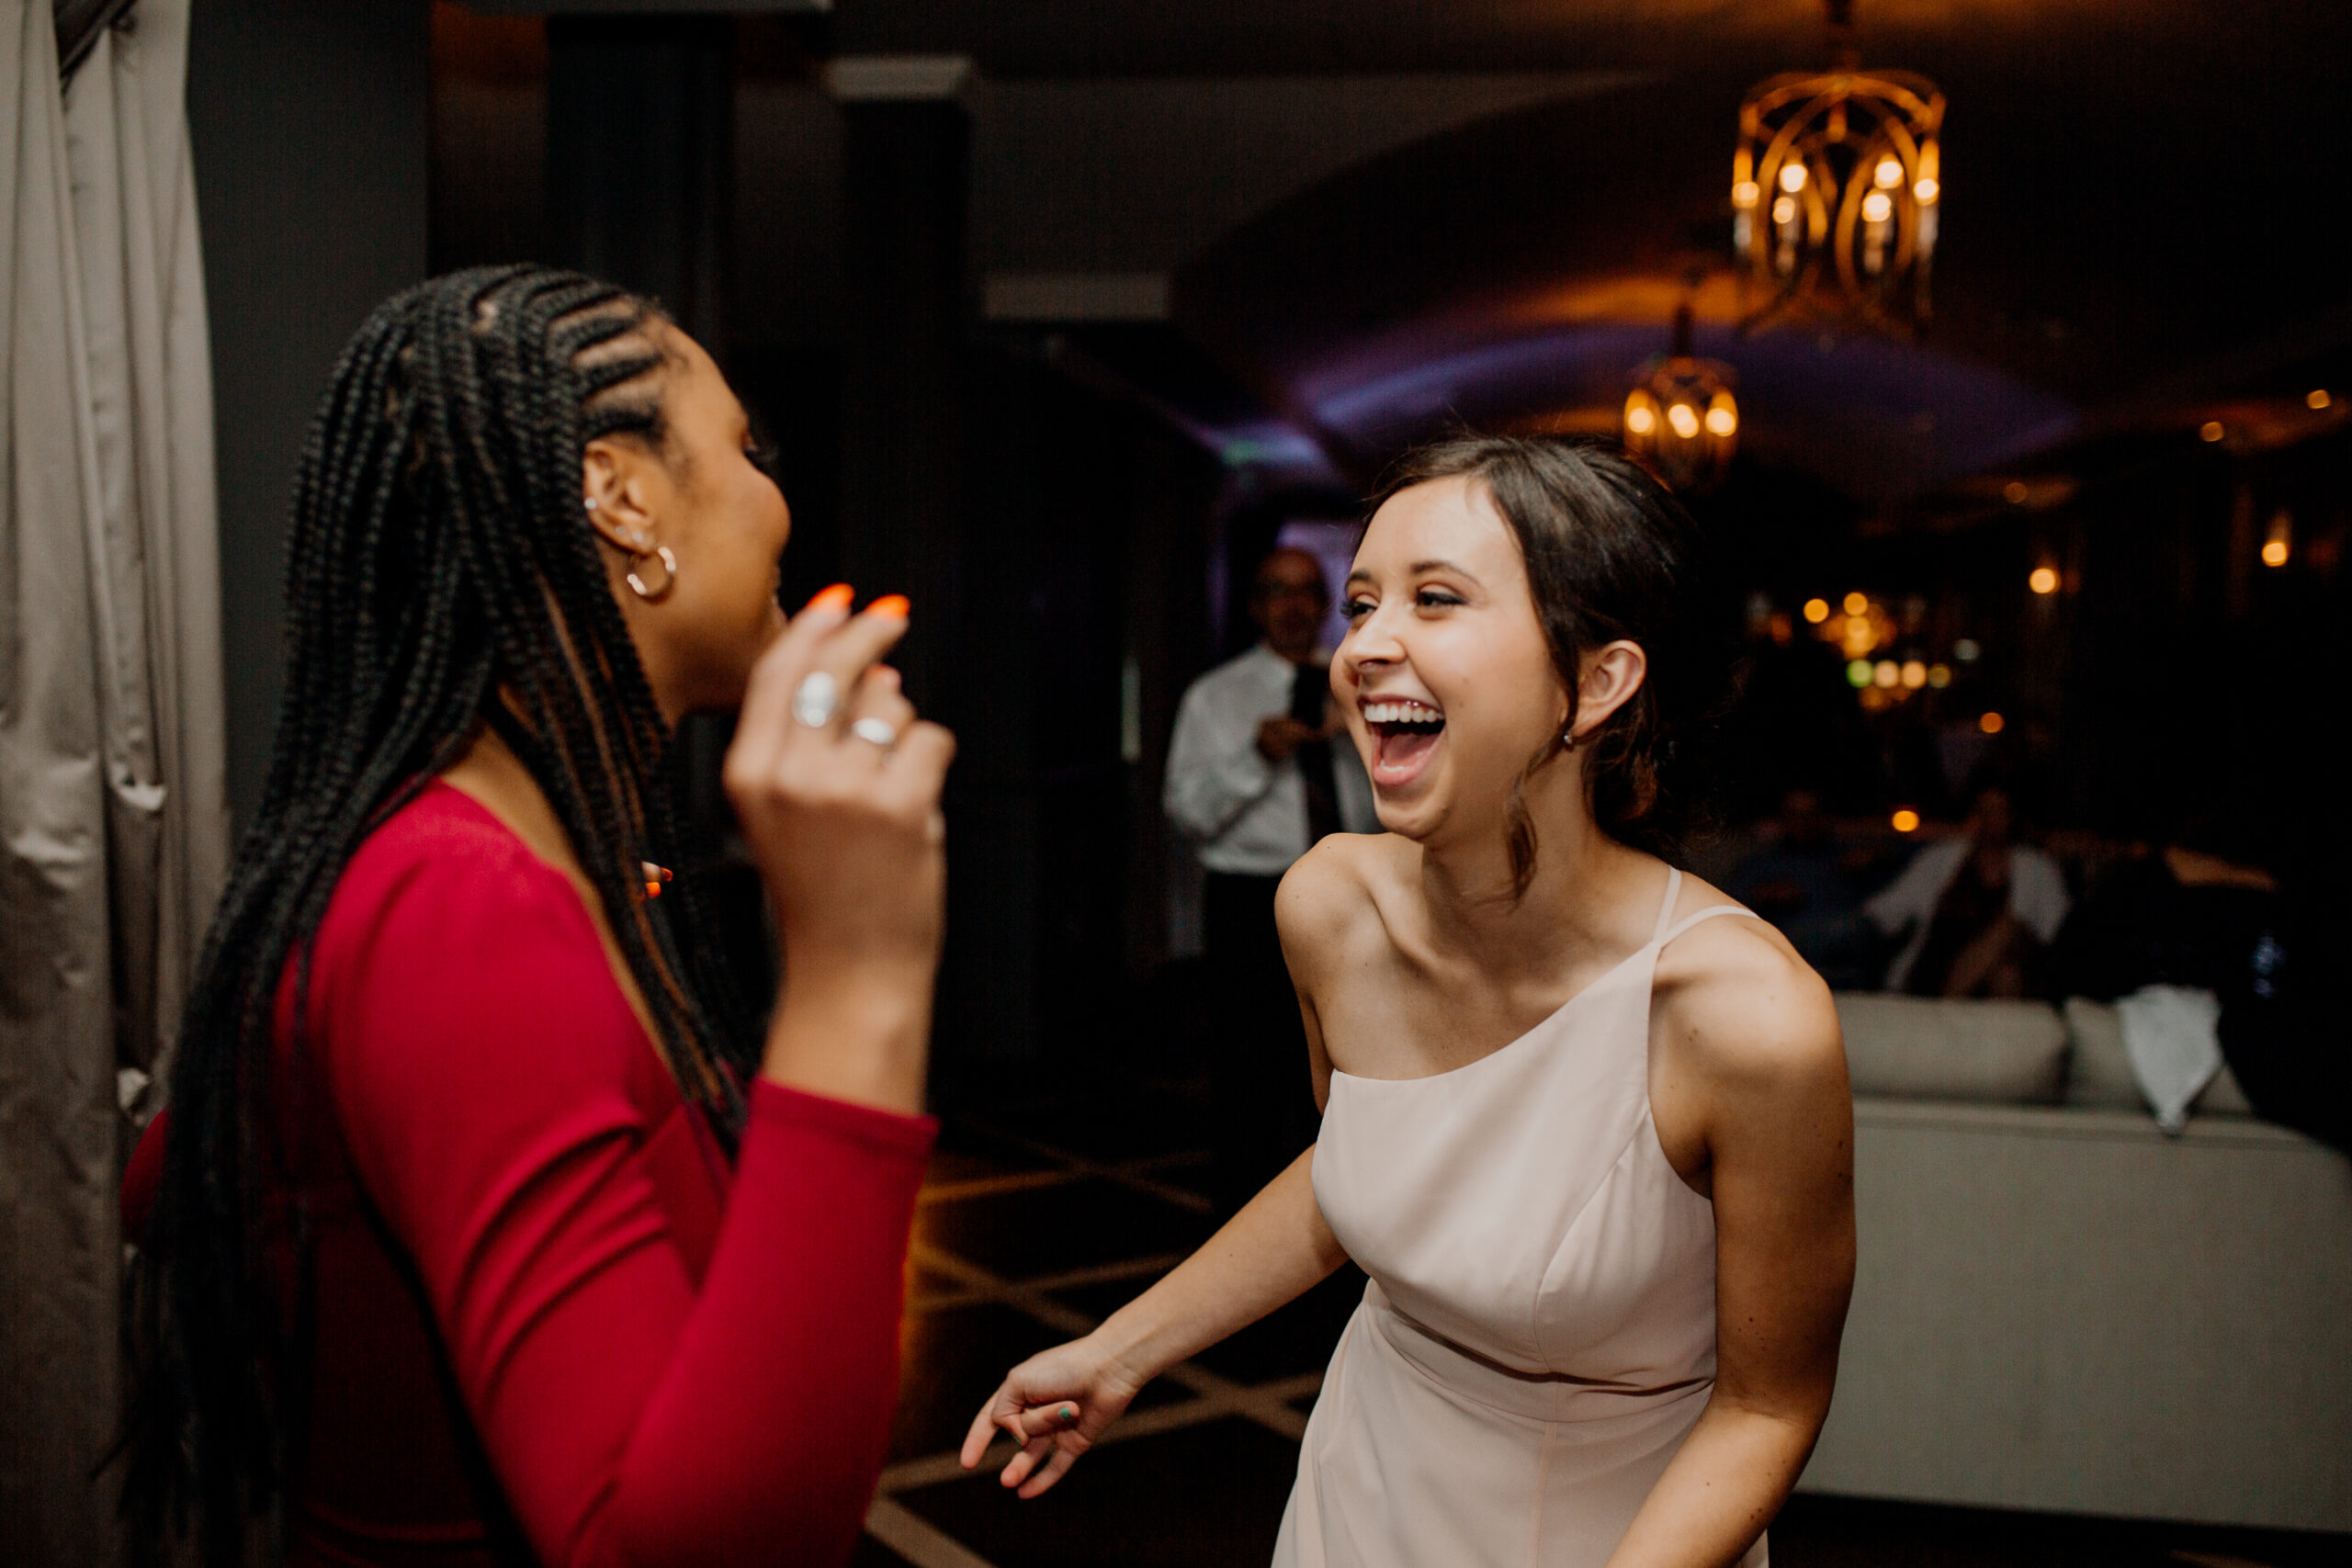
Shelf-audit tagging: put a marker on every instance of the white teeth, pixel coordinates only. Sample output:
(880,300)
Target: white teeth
(1401,712)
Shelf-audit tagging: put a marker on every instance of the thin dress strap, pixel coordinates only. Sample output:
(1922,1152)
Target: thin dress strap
(1665,910)
(1709,913)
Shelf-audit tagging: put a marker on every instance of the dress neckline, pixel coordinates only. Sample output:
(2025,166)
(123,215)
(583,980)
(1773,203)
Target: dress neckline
(1657,936)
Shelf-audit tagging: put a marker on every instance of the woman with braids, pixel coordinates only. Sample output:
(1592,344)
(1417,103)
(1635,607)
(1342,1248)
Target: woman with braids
(491,1227)
(1586,1123)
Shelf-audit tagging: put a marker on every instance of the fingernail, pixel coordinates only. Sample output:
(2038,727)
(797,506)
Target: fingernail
(892,605)
(837,597)
(1069,1413)
(653,890)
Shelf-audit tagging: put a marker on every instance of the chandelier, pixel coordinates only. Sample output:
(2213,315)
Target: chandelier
(1680,416)
(1839,178)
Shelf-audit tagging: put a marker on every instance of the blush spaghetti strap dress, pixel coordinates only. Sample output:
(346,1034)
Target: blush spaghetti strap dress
(1538,1333)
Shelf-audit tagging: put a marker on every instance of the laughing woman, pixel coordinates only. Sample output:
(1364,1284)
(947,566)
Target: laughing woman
(490,1229)
(1586,1123)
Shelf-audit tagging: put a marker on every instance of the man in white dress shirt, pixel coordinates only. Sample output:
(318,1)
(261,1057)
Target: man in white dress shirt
(1260,767)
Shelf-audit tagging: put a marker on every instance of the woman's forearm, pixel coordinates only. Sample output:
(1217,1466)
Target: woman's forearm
(1734,1472)
(1273,1251)
(853,1030)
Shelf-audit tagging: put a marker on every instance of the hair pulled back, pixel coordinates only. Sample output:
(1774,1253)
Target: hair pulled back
(1611,555)
(441,574)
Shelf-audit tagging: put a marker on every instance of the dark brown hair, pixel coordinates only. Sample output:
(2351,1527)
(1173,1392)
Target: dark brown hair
(1610,554)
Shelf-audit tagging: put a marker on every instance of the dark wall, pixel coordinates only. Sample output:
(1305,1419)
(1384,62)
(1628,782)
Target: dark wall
(1083,552)
(308,119)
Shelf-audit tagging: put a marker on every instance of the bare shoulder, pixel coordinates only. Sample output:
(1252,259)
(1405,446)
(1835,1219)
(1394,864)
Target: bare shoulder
(1330,900)
(1738,1004)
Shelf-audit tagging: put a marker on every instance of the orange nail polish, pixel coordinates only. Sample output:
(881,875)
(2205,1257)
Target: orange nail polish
(653,890)
(892,605)
(837,597)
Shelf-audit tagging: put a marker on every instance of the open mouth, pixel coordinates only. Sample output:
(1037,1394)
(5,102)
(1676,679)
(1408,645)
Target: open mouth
(1405,733)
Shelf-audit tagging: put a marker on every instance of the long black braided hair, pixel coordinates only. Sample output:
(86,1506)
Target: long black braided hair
(441,575)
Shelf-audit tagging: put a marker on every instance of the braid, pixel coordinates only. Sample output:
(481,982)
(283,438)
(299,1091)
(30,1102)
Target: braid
(439,576)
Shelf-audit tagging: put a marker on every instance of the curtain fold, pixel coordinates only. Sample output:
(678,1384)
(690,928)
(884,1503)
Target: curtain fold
(113,820)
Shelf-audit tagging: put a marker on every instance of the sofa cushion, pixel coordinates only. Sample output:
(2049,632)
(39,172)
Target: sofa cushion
(2008,1052)
(2099,1069)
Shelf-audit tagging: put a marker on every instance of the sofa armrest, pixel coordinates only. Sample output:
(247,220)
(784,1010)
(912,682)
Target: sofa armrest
(2064,1309)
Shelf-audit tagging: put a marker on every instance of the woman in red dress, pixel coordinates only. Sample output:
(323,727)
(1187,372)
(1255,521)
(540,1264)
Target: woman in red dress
(491,1226)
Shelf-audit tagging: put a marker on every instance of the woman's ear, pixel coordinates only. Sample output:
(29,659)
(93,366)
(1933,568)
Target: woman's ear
(1608,679)
(615,490)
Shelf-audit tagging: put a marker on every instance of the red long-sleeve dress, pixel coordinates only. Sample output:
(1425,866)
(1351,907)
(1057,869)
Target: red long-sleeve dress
(550,1320)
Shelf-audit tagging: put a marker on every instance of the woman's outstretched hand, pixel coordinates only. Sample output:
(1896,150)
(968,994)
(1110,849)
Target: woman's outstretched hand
(1055,1404)
(836,785)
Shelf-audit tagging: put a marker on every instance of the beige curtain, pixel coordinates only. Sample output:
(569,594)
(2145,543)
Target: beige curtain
(113,826)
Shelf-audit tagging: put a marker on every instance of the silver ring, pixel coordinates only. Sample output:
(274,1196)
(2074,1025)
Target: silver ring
(816,700)
(876,730)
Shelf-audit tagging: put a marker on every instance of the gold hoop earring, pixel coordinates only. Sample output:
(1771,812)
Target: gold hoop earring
(669,578)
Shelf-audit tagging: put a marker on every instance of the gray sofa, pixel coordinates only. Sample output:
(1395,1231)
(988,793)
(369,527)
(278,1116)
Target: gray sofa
(2060,1307)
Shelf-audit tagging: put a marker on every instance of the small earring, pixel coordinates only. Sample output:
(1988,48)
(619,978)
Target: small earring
(669,578)
(1569,740)
(590,503)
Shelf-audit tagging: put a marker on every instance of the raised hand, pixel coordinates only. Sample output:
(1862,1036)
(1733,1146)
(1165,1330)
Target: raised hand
(1280,736)
(836,785)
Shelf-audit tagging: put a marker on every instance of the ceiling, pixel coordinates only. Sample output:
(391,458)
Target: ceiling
(1179,38)
(2140,213)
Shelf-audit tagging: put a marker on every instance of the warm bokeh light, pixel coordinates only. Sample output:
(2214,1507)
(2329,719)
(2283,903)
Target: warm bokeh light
(1816,610)
(2278,539)
(1966,650)
(1858,603)
(2212,430)
(1857,674)
(1722,418)
(2318,398)
(1939,676)
(1885,673)
(1793,177)
(1685,420)
(1877,207)
(1888,174)
(2044,580)
(1915,674)
(2014,493)
(1744,193)
(1639,420)
(1906,820)
(1991,723)
(1927,191)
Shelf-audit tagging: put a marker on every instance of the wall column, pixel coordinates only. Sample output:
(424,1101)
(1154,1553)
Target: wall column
(907,160)
(907,510)
(640,150)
